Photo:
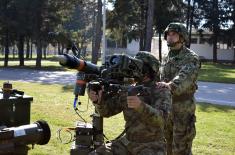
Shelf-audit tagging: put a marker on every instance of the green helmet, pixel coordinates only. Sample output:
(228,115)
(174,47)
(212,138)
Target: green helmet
(151,61)
(179,28)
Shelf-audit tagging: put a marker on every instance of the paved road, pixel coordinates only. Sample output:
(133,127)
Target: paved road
(217,93)
(27,75)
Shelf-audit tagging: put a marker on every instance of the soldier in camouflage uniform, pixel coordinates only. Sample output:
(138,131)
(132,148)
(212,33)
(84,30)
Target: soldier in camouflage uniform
(179,72)
(145,116)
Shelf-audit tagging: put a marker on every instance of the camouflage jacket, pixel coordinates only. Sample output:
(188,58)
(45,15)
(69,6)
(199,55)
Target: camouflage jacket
(145,123)
(181,68)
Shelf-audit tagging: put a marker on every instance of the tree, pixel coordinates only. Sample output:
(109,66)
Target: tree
(6,22)
(46,17)
(79,26)
(231,32)
(149,25)
(215,14)
(126,18)
(134,18)
(30,21)
(98,33)
(165,13)
(21,26)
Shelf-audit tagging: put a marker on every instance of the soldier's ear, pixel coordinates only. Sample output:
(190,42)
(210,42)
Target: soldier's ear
(181,39)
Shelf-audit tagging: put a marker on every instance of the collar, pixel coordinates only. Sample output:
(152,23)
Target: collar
(173,53)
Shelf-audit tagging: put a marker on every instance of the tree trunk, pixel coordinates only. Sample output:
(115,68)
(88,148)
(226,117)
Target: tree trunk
(45,52)
(6,49)
(191,24)
(13,51)
(27,49)
(84,51)
(21,50)
(39,54)
(233,55)
(2,50)
(98,34)
(62,48)
(215,29)
(93,32)
(215,47)
(141,44)
(55,51)
(31,49)
(188,14)
(149,26)
(142,27)
(58,45)
(160,46)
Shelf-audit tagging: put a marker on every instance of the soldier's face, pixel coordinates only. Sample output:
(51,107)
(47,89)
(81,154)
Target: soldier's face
(172,37)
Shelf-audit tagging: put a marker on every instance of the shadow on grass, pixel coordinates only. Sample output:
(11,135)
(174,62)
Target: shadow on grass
(43,68)
(207,107)
(217,73)
(29,59)
(49,58)
(65,88)
(219,65)
(68,88)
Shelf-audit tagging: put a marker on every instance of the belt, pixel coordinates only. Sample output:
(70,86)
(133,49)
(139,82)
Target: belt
(182,97)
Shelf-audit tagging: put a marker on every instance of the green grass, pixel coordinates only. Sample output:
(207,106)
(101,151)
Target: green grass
(47,64)
(31,64)
(53,103)
(223,73)
(215,130)
(209,72)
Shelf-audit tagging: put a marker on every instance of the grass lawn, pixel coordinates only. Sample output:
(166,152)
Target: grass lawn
(224,73)
(53,103)
(215,130)
(30,64)
(48,64)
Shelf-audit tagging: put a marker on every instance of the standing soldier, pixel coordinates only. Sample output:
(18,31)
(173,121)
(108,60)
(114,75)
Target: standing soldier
(179,73)
(145,116)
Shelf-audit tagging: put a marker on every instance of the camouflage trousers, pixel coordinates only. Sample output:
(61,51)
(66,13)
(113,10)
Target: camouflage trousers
(124,147)
(181,129)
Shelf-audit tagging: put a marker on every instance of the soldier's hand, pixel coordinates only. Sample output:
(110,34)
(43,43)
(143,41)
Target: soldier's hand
(163,85)
(133,102)
(94,96)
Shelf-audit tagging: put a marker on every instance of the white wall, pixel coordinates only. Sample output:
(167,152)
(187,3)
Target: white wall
(155,47)
(225,54)
(204,50)
(133,47)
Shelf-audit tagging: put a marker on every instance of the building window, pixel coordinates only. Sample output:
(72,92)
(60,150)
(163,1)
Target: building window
(222,45)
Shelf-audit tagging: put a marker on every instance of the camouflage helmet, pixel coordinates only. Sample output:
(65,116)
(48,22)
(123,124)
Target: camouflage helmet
(179,28)
(151,61)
